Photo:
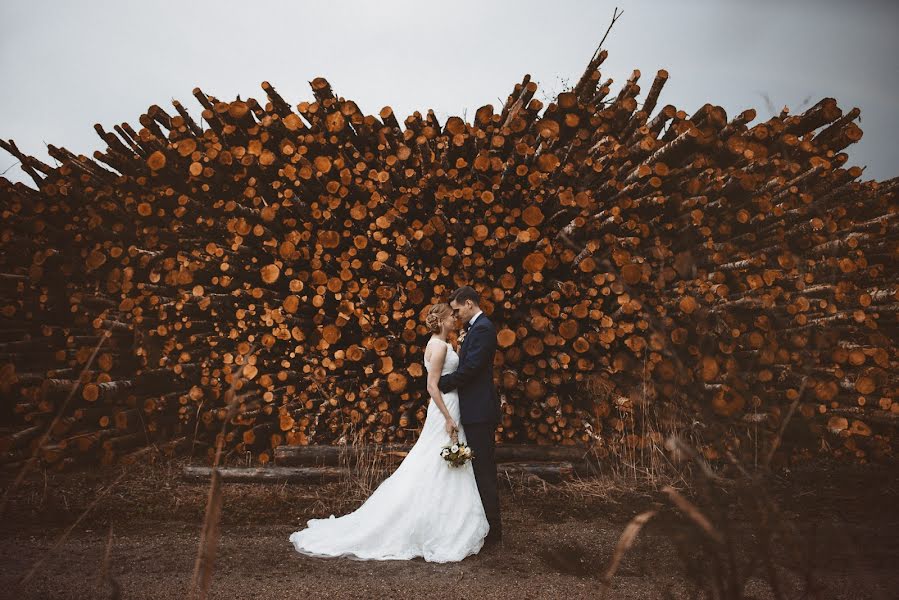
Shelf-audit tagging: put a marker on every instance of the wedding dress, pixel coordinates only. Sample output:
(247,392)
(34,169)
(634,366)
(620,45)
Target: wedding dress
(425,508)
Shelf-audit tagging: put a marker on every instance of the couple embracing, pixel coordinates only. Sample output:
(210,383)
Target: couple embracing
(428,508)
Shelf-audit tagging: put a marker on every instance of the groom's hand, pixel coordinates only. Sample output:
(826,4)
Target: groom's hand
(443,385)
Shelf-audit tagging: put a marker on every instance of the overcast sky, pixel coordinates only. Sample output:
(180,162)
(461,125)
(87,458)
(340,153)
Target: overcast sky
(66,65)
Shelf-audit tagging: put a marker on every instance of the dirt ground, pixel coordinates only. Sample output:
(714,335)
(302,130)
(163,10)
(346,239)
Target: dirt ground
(558,540)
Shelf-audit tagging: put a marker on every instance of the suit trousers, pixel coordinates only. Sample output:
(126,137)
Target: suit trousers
(480,437)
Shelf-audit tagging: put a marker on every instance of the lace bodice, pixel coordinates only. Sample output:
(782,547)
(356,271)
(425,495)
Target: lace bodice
(452,359)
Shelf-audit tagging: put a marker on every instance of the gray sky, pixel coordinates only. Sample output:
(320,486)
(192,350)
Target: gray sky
(66,65)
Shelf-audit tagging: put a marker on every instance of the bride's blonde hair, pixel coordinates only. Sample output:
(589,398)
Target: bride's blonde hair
(435,315)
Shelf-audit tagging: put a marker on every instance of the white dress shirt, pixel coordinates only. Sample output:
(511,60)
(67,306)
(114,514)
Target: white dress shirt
(476,315)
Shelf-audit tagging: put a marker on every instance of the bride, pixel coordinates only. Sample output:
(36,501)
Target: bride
(426,507)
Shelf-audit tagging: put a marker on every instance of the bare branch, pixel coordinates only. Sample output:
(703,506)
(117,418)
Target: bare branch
(615,17)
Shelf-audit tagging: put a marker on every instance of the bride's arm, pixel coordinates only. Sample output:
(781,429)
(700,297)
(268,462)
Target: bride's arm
(438,356)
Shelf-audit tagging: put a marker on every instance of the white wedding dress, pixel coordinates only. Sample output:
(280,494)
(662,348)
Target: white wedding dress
(425,508)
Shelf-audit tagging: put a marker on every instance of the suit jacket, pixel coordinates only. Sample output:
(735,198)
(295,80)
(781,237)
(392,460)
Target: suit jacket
(478,399)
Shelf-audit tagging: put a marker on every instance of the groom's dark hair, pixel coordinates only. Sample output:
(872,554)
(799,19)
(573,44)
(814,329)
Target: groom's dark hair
(466,292)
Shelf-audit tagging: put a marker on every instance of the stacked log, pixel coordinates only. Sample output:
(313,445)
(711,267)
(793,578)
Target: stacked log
(316,464)
(506,472)
(649,270)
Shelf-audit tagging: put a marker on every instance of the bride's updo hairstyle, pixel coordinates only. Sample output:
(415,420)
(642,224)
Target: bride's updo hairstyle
(437,313)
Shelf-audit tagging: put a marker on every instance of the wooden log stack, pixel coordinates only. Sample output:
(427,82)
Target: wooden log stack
(316,464)
(650,270)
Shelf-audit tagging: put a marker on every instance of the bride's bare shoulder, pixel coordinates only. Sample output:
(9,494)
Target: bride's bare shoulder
(435,351)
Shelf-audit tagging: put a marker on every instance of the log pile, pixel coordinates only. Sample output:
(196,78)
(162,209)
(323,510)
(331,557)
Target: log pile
(649,269)
(506,472)
(317,464)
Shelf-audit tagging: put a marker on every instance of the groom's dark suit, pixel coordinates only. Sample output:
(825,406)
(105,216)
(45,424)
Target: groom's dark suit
(479,410)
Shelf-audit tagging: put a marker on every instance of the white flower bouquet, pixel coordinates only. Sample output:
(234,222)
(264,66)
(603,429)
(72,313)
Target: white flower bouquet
(456,453)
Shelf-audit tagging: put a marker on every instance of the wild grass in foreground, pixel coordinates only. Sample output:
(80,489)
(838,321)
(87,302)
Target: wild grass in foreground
(728,531)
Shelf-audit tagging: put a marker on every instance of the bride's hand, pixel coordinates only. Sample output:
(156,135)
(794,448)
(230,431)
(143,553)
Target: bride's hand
(450,426)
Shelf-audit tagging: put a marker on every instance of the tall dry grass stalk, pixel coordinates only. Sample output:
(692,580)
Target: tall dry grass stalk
(636,455)
(364,465)
(729,532)
(627,539)
(33,459)
(65,534)
(201,580)
(775,444)
(104,576)
(690,395)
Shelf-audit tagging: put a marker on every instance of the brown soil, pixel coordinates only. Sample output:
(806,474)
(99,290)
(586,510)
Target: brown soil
(558,540)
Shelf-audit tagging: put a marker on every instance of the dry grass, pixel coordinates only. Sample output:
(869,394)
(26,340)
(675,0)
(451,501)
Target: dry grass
(695,506)
(366,466)
(627,539)
(62,538)
(757,543)
(33,461)
(104,576)
(729,532)
(211,531)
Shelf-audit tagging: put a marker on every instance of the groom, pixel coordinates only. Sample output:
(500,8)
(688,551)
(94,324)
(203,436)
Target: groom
(478,401)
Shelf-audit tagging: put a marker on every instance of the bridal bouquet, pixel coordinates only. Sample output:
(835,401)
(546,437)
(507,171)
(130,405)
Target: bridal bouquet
(457,453)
